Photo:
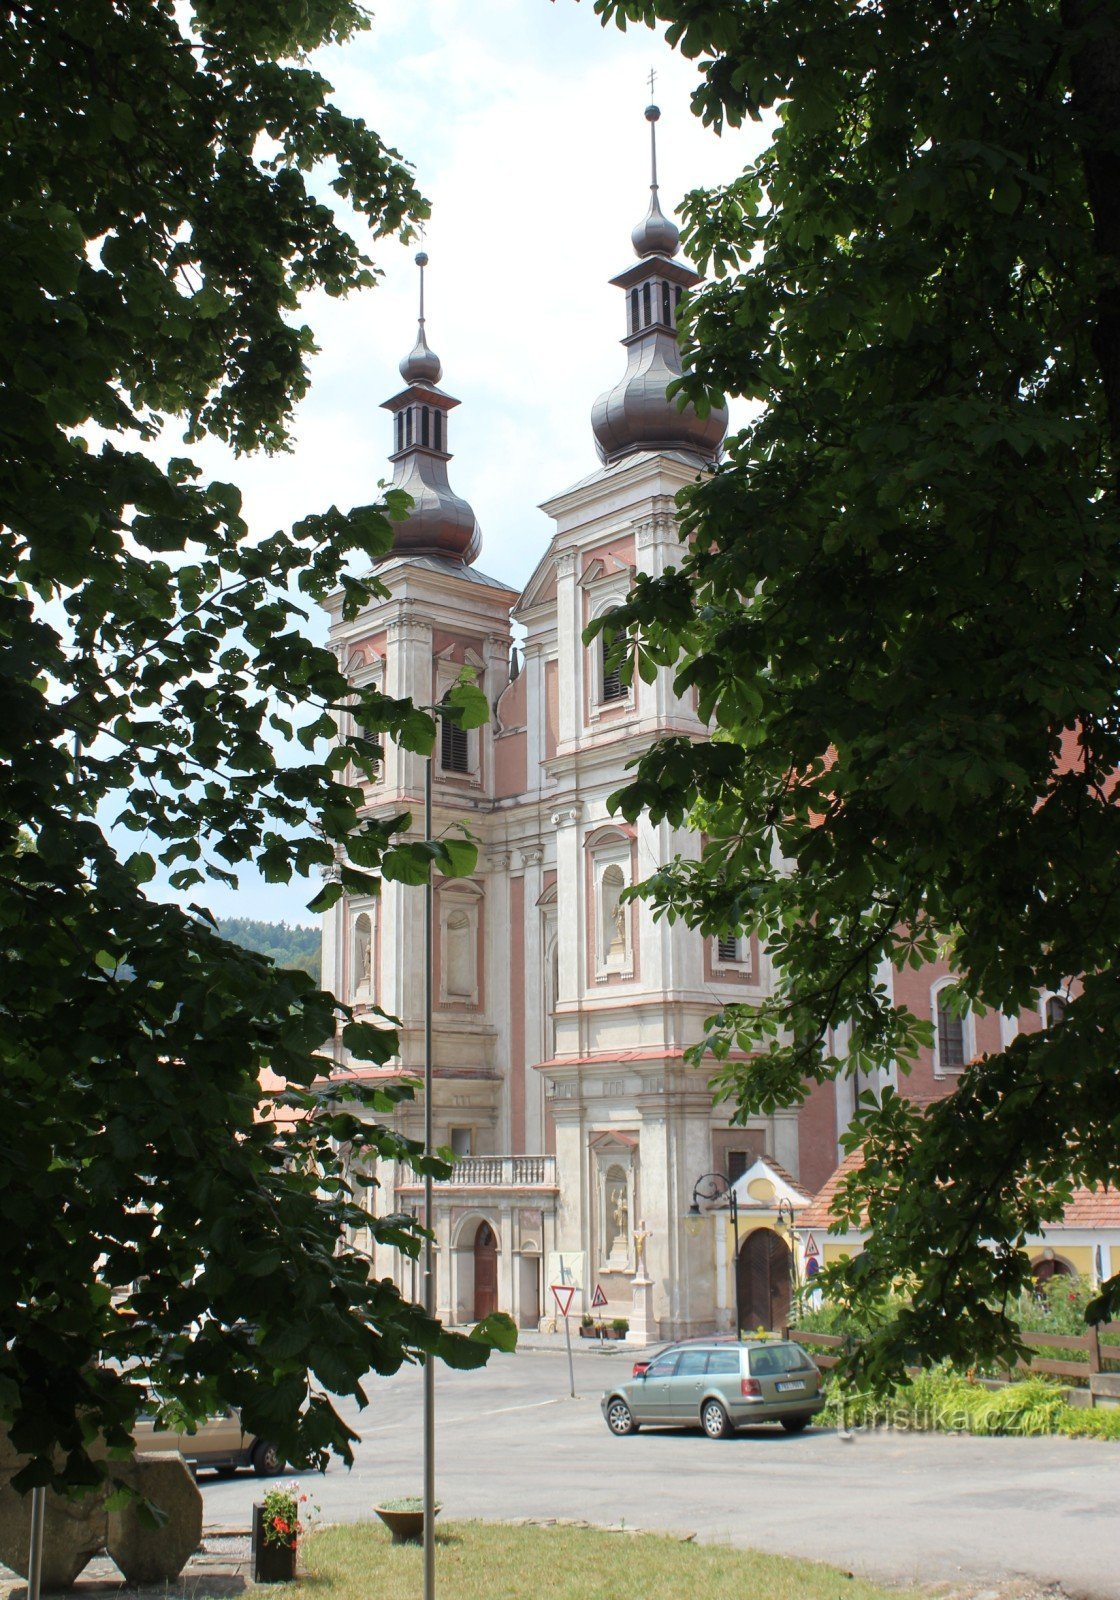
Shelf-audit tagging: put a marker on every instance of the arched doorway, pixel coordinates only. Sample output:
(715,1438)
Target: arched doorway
(485,1272)
(764,1280)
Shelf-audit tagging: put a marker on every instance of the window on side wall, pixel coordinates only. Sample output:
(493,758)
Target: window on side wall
(952,1033)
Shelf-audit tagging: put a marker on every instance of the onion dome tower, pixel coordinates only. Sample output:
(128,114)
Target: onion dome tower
(637,414)
(440,523)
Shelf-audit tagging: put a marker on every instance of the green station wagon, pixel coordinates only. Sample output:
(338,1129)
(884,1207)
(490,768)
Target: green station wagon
(719,1387)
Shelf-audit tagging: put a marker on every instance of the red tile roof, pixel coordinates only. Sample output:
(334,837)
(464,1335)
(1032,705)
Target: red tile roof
(1089,1208)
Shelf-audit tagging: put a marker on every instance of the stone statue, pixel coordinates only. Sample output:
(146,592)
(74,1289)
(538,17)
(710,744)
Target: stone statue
(641,1234)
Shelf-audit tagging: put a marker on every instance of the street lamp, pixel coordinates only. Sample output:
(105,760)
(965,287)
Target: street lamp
(713,1187)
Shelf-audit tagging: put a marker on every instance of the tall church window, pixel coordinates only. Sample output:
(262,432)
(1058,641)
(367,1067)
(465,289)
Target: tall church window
(952,1032)
(635,315)
(425,426)
(408,426)
(400,430)
(439,430)
(666,305)
(1056,1008)
(647,309)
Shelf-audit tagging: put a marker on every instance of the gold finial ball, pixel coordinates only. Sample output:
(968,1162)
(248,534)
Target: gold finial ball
(421,258)
(653,113)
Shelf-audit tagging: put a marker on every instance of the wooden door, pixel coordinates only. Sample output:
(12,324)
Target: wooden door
(764,1282)
(485,1272)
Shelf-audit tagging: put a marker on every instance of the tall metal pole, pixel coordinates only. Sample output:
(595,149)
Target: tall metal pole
(35,1551)
(429,1242)
(733,1201)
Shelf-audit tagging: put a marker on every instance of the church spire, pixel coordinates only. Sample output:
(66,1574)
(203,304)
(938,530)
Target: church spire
(636,414)
(439,523)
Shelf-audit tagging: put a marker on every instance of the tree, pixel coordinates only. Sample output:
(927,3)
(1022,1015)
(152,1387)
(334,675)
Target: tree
(158,231)
(289,946)
(898,603)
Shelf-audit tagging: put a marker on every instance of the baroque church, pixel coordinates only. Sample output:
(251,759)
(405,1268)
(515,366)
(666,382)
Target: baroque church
(562,1013)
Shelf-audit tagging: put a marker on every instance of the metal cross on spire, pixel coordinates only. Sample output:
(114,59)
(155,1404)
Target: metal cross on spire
(421,262)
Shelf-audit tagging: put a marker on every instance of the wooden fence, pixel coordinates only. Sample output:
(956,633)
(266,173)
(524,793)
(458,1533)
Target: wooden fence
(1091,1371)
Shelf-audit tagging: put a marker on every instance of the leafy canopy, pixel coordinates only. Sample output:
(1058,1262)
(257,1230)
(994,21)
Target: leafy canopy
(898,603)
(158,229)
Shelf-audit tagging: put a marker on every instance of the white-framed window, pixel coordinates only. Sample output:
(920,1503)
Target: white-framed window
(1053,1008)
(462,1142)
(733,953)
(364,674)
(458,750)
(606,689)
(953,1037)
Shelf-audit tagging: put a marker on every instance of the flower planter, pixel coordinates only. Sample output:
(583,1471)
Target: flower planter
(405,1523)
(272,1563)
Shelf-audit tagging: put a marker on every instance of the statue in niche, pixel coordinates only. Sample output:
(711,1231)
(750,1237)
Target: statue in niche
(618,1213)
(614,914)
(363,956)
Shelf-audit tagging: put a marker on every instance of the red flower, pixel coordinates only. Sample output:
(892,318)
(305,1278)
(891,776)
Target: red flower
(280,1525)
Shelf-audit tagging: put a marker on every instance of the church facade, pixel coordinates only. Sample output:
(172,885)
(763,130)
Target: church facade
(562,1012)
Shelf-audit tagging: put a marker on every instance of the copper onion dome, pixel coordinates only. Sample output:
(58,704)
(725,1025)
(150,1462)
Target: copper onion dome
(440,522)
(637,414)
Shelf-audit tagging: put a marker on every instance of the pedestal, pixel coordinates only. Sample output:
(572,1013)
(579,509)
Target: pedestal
(643,1326)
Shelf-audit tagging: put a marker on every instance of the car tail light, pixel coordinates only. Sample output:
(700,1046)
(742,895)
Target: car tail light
(750,1388)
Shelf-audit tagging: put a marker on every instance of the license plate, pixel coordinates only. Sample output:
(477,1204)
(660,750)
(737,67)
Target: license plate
(784,1388)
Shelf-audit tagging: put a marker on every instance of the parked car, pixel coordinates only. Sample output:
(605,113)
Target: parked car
(719,1387)
(643,1361)
(219,1442)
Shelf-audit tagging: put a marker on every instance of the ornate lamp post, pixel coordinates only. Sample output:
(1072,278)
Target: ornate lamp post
(784,1209)
(711,1188)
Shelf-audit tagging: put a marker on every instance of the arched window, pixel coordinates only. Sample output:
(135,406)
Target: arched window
(647,308)
(454,745)
(952,1033)
(666,305)
(425,426)
(1056,1007)
(439,430)
(634,313)
(400,430)
(408,426)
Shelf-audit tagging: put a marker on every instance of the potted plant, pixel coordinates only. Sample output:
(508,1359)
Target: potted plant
(404,1518)
(278,1521)
(586,1326)
(620,1327)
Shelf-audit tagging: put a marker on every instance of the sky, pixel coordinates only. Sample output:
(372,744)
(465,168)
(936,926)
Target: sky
(524,122)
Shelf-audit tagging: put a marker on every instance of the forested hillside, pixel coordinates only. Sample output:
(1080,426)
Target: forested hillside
(289,945)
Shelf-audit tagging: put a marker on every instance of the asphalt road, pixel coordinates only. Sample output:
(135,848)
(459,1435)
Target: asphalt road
(908,1508)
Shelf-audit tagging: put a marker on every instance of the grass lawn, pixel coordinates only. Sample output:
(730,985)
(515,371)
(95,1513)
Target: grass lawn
(486,1561)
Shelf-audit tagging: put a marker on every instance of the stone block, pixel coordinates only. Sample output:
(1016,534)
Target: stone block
(147,1554)
(73,1530)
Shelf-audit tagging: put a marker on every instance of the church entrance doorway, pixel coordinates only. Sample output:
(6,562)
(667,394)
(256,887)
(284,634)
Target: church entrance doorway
(485,1272)
(764,1280)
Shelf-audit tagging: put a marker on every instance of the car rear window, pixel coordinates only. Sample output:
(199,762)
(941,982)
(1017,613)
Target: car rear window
(726,1361)
(768,1360)
(692,1362)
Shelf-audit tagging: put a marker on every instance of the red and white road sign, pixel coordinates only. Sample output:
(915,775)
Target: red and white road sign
(563,1294)
(598,1298)
(811,1246)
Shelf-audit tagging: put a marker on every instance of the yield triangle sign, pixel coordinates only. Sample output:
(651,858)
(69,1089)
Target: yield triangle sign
(598,1298)
(563,1294)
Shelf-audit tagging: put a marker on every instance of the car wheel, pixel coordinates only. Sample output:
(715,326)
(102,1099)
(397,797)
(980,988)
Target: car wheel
(620,1419)
(267,1460)
(795,1424)
(715,1421)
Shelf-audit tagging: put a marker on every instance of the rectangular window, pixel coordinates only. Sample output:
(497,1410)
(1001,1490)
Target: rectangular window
(462,1140)
(728,949)
(613,686)
(454,750)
